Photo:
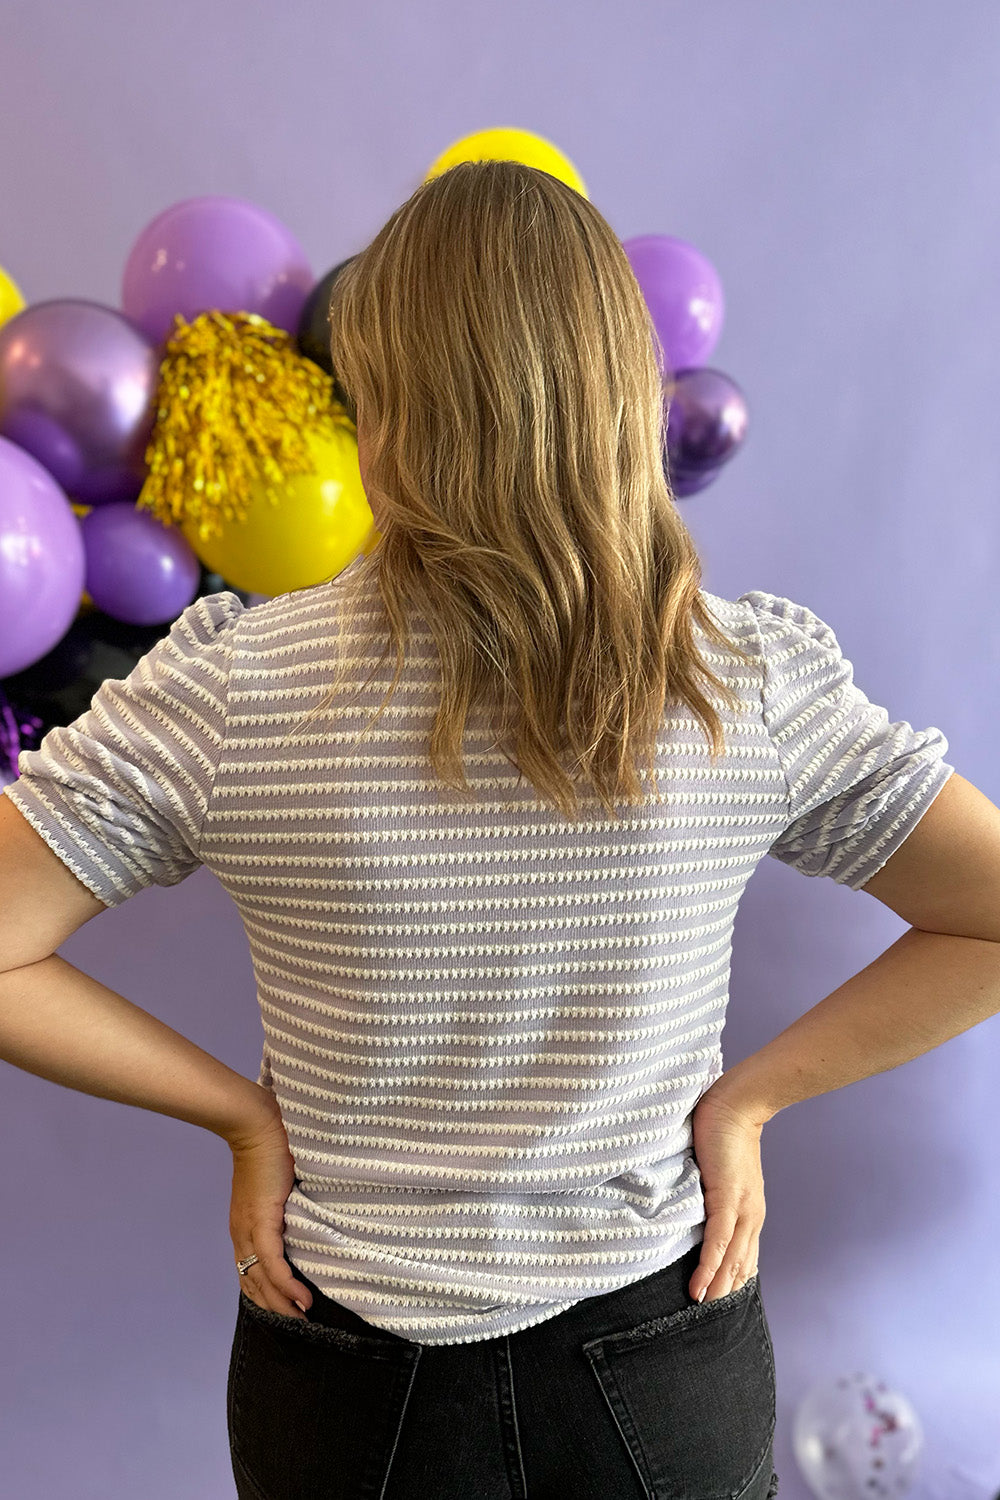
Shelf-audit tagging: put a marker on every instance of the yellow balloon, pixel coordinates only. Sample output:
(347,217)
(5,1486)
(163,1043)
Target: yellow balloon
(319,525)
(510,144)
(11,300)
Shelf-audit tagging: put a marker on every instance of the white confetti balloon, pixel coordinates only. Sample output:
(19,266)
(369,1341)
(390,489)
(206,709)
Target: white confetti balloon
(856,1439)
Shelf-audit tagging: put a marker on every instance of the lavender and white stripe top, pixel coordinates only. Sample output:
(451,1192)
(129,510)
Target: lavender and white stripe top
(486,1027)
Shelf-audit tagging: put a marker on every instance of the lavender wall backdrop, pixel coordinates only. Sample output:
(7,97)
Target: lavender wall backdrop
(840,164)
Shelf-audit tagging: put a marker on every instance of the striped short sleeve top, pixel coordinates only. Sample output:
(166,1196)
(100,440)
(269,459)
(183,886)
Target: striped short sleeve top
(486,1027)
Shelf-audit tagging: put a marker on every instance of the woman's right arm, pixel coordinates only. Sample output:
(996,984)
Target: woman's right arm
(937,980)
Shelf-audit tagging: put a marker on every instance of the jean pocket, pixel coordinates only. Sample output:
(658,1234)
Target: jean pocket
(693,1396)
(314,1411)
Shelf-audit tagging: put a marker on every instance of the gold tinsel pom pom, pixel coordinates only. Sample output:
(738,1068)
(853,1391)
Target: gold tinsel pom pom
(234,402)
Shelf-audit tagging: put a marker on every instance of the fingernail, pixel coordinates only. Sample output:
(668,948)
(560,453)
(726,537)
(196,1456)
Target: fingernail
(298,1304)
(701,1294)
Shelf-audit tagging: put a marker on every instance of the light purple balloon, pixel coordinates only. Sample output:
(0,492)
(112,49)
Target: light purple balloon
(137,568)
(214,254)
(41,561)
(683,293)
(78,392)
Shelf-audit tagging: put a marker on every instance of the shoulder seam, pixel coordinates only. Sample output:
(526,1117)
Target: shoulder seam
(763,697)
(235,617)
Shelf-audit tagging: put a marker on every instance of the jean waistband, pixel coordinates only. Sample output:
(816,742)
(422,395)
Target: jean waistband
(657,1295)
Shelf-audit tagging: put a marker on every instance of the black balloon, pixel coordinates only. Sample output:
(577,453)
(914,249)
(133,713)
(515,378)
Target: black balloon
(314,329)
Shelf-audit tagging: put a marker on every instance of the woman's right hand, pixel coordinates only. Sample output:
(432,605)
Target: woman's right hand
(727,1151)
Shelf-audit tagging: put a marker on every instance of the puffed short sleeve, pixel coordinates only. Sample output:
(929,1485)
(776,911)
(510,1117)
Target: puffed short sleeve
(120,793)
(858,782)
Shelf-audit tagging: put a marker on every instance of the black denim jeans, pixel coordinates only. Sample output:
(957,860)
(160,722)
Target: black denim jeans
(640,1394)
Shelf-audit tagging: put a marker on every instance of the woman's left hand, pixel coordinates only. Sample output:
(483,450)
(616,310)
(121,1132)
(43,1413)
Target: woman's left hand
(263,1177)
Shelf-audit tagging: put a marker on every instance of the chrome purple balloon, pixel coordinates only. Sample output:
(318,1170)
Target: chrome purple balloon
(137,569)
(683,293)
(686,482)
(706,424)
(41,560)
(214,254)
(78,392)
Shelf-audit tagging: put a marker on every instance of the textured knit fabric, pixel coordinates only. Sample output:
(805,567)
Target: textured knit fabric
(486,1027)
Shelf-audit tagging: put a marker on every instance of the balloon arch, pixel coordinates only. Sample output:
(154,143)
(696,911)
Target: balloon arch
(197,438)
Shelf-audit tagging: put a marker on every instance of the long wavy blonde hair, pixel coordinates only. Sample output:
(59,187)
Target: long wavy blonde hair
(496,352)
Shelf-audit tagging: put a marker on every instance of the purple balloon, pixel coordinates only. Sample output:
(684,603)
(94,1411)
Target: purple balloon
(137,569)
(214,254)
(685,482)
(78,392)
(706,422)
(683,293)
(41,560)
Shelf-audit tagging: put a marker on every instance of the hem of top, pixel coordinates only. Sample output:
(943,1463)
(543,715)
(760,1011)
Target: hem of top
(939,774)
(514,1318)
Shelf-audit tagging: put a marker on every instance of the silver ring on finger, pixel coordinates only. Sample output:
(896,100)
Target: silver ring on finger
(243,1266)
